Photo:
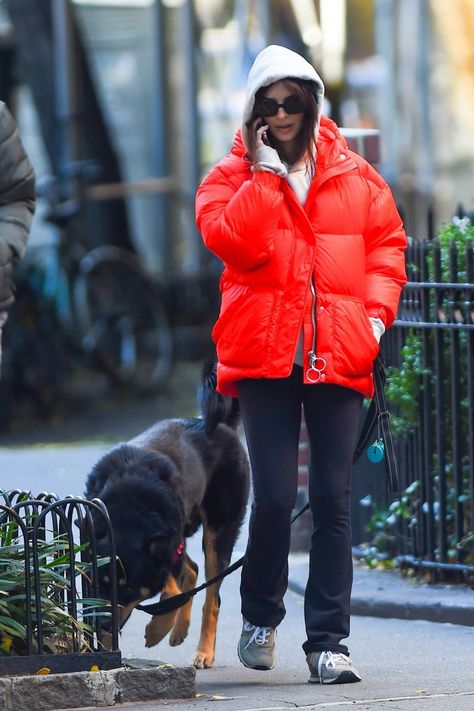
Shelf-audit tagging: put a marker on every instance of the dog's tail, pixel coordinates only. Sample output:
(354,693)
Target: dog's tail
(216,408)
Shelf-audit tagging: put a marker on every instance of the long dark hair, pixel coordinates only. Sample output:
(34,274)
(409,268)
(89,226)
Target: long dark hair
(306,141)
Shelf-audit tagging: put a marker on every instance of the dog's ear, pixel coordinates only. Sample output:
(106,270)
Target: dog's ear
(159,545)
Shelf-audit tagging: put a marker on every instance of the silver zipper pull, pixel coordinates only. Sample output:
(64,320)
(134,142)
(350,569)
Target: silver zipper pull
(316,367)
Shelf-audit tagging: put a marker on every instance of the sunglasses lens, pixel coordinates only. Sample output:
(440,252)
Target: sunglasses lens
(291,105)
(269,107)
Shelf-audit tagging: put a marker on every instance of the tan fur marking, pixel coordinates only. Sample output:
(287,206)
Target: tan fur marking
(183,617)
(204,655)
(160,625)
(126,611)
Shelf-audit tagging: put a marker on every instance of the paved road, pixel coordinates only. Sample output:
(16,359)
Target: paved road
(61,469)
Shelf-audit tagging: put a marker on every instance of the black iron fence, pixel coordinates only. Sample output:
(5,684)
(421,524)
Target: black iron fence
(430,351)
(51,612)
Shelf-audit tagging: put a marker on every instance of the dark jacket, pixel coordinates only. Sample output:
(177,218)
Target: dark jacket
(17,202)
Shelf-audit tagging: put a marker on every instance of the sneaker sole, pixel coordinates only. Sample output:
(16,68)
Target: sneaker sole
(345,677)
(256,668)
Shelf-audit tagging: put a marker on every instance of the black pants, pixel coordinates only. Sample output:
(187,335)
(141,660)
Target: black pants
(271,413)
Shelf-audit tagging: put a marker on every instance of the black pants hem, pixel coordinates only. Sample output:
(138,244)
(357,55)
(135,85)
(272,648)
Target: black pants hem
(309,647)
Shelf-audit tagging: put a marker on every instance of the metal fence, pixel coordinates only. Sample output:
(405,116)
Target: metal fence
(51,610)
(431,352)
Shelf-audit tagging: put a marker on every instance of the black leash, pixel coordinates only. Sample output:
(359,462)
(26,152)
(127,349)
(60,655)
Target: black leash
(376,414)
(172,603)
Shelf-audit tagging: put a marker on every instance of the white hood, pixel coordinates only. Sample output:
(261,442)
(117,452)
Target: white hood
(272,64)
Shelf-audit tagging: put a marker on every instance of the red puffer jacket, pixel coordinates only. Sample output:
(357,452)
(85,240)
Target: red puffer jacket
(326,266)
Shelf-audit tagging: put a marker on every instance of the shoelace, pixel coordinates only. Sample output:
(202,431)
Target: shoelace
(329,659)
(259,635)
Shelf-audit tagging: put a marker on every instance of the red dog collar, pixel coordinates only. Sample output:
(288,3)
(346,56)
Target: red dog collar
(178,552)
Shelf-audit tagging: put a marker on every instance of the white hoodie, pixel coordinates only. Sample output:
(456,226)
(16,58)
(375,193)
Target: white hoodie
(273,64)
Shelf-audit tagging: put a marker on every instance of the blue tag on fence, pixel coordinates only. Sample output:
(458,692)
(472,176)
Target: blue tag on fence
(375,452)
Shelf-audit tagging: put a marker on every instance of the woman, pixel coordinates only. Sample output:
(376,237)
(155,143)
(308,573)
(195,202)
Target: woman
(313,253)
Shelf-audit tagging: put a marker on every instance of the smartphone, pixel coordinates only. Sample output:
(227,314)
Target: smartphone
(264,134)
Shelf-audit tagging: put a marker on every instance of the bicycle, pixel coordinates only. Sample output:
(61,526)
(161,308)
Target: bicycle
(99,305)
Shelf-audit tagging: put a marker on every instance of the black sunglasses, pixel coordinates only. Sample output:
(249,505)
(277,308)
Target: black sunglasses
(291,105)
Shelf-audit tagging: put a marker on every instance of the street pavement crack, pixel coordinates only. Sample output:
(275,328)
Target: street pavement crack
(361,702)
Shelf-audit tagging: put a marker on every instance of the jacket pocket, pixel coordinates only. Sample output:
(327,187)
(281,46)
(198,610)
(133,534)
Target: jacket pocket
(355,346)
(241,331)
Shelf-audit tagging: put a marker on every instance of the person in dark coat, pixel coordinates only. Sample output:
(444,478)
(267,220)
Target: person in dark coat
(17,204)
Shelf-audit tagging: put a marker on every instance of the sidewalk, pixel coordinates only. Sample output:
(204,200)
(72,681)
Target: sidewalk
(408,661)
(380,593)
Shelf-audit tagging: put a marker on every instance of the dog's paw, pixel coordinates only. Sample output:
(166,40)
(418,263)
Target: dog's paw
(202,660)
(151,638)
(177,637)
(155,631)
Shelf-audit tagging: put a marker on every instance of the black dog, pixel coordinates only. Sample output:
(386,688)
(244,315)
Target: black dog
(158,489)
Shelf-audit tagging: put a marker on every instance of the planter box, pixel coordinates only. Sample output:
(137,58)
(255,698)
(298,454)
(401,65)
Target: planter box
(59,663)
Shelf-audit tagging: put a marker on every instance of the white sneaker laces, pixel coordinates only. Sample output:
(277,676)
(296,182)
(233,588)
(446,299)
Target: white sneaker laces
(330,659)
(259,635)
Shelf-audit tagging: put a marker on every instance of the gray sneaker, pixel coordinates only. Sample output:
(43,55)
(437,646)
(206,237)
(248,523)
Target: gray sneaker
(331,668)
(256,647)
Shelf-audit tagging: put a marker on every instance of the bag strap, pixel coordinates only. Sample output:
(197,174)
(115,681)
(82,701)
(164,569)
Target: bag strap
(367,429)
(383,419)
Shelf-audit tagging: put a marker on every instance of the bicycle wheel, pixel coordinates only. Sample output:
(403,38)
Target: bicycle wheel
(121,318)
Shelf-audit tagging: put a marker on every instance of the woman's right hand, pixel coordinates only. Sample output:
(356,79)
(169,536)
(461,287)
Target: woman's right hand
(267,158)
(260,133)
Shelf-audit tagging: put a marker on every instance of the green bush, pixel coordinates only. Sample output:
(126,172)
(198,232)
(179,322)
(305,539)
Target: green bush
(404,385)
(460,232)
(59,627)
(384,525)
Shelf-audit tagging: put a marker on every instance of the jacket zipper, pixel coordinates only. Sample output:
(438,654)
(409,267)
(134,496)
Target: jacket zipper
(316,365)
(312,352)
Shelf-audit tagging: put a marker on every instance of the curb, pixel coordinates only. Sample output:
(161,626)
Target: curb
(434,611)
(138,680)
(436,605)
